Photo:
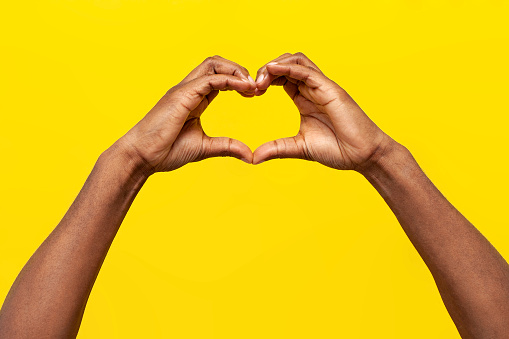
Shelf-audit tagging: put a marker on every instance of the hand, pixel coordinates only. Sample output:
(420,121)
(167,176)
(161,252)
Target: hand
(171,135)
(333,129)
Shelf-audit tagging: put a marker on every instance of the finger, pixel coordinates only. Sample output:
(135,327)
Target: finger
(308,75)
(261,75)
(264,79)
(299,59)
(247,94)
(191,94)
(216,82)
(293,147)
(290,86)
(281,81)
(218,65)
(291,89)
(225,147)
(211,96)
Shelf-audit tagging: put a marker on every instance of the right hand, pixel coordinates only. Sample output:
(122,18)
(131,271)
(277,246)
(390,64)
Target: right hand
(333,129)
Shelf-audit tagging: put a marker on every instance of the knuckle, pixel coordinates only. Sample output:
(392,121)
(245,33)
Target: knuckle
(175,88)
(281,148)
(184,96)
(276,148)
(301,56)
(342,95)
(211,60)
(207,78)
(226,145)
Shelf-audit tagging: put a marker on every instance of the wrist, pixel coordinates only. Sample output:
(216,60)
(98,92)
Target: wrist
(389,157)
(123,156)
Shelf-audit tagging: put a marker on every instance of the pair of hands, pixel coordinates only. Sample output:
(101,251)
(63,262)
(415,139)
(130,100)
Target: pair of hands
(333,129)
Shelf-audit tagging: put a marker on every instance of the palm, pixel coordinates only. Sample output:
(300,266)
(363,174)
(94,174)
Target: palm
(170,135)
(318,135)
(186,148)
(326,129)
(167,153)
(333,130)
(167,148)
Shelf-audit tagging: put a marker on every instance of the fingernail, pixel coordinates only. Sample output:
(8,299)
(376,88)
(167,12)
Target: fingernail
(245,160)
(272,63)
(260,79)
(251,79)
(261,162)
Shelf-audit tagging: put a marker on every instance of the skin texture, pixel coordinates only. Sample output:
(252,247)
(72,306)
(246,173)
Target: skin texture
(472,277)
(170,135)
(333,130)
(49,296)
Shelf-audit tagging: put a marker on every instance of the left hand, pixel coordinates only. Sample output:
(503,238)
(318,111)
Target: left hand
(171,135)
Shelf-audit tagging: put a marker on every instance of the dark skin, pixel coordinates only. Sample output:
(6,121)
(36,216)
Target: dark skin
(49,296)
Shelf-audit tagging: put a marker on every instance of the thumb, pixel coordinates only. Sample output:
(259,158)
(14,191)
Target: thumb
(226,147)
(292,147)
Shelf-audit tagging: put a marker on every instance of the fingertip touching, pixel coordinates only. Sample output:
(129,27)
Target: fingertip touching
(226,147)
(265,152)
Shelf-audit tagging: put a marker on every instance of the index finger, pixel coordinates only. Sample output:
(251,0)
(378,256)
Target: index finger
(218,65)
(308,75)
(264,79)
(191,94)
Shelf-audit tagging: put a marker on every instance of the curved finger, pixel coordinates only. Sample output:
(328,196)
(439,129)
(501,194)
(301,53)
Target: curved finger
(308,75)
(220,82)
(299,59)
(211,96)
(279,81)
(225,147)
(264,78)
(191,94)
(292,147)
(261,75)
(247,94)
(218,65)
(290,86)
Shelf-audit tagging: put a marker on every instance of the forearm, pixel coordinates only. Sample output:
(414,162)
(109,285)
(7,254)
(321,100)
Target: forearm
(49,296)
(472,277)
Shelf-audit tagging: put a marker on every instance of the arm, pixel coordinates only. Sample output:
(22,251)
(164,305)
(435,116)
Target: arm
(472,277)
(49,296)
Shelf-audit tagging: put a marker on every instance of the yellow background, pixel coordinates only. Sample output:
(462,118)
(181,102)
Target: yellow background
(221,249)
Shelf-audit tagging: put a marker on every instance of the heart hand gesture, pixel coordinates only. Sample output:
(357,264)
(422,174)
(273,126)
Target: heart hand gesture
(333,130)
